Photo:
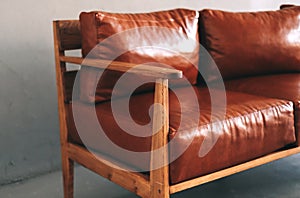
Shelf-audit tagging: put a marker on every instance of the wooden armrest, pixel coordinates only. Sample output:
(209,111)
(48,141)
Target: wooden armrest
(142,69)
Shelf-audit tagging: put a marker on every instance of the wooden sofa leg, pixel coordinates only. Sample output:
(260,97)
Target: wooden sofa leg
(68,177)
(159,191)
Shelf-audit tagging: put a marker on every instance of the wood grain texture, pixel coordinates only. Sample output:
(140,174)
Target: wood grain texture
(159,174)
(143,69)
(134,182)
(69,34)
(67,163)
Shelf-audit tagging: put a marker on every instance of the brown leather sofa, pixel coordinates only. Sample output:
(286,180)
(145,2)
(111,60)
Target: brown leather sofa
(246,86)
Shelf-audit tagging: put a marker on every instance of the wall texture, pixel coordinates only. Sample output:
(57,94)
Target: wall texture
(29,135)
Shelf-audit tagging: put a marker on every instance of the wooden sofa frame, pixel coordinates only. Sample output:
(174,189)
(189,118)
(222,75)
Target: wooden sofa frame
(67,37)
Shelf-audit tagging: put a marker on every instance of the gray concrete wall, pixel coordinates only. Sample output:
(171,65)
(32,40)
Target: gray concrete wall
(29,135)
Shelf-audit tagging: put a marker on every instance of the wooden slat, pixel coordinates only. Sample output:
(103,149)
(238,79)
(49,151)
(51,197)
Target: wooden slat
(159,174)
(143,69)
(69,34)
(233,170)
(134,182)
(67,164)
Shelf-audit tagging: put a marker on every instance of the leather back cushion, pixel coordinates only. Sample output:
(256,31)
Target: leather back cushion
(166,39)
(252,43)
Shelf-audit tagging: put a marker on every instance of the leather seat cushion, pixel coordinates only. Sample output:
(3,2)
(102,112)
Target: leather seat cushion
(281,86)
(253,126)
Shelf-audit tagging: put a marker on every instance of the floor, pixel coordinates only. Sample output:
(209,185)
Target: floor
(274,180)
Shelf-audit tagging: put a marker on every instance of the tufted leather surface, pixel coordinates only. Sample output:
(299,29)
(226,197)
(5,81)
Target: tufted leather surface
(252,43)
(253,126)
(164,39)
